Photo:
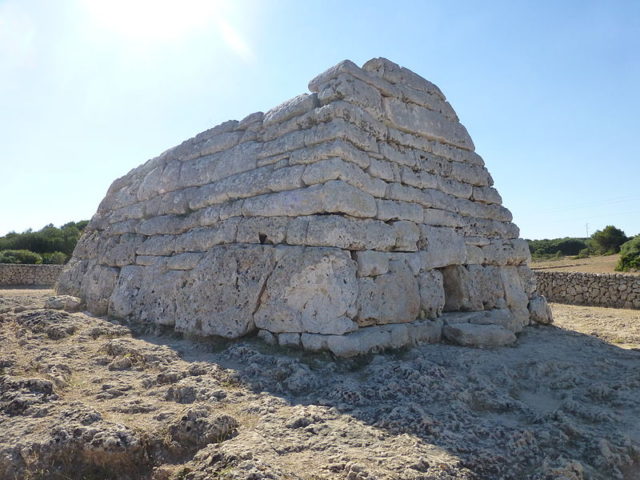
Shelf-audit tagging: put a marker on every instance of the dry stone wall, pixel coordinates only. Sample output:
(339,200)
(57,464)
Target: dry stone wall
(18,274)
(353,218)
(603,290)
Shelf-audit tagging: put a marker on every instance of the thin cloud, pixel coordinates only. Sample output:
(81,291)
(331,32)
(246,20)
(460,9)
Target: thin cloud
(235,41)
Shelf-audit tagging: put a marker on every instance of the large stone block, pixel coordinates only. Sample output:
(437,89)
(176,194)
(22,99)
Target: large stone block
(310,290)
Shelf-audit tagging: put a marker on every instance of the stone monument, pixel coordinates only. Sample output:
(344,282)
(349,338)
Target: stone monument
(351,219)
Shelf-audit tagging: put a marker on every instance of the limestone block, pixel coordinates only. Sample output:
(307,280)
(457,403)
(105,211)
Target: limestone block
(157,245)
(396,74)
(241,158)
(441,218)
(297,231)
(394,210)
(288,178)
(335,196)
(120,250)
(486,195)
(476,175)
(67,303)
(425,331)
(454,187)
(419,178)
(146,260)
(442,247)
(349,88)
(251,121)
(123,298)
(70,279)
(336,148)
(310,290)
(516,298)
(97,284)
(203,239)
(433,125)
(528,280)
(147,188)
(291,108)
(400,155)
(539,310)
(371,263)
(407,236)
(432,295)
(392,297)
(288,339)
(338,169)
(347,233)
(171,203)
(267,337)
(487,284)
(128,212)
(500,316)
(163,225)
(339,129)
(375,338)
(224,290)
(219,143)
(184,261)
(472,335)
(384,170)
(289,142)
(265,230)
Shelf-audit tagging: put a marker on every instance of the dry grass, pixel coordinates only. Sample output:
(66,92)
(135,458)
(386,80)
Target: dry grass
(604,264)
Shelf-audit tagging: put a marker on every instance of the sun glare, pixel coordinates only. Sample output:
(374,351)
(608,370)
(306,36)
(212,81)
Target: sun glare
(149,22)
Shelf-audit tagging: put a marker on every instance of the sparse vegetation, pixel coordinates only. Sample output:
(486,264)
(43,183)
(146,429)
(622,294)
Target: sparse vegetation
(607,241)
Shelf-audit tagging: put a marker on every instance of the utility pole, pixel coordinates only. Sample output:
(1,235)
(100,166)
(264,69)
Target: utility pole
(587,226)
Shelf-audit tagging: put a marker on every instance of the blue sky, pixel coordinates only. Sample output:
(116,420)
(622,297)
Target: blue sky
(548,91)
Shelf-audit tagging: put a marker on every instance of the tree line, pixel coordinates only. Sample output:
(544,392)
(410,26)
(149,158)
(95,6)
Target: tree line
(48,245)
(607,241)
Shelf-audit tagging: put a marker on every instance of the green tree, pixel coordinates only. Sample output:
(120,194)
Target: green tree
(608,240)
(629,255)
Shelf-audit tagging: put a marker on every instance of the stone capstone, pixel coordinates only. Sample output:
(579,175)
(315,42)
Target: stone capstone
(352,219)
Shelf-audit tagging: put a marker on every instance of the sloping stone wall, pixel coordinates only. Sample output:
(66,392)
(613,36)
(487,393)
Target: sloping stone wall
(322,222)
(16,275)
(602,290)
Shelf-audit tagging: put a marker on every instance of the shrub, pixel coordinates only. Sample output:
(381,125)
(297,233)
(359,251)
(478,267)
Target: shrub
(54,258)
(608,240)
(629,255)
(19,256)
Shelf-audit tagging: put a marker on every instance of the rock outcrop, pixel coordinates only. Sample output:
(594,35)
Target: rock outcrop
(354,218)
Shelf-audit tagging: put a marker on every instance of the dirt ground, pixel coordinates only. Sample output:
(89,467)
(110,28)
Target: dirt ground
(602,264)
(86,398)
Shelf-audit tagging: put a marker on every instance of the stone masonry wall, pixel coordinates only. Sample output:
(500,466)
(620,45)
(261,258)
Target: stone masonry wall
(354,217)
(15,275)
(602,290)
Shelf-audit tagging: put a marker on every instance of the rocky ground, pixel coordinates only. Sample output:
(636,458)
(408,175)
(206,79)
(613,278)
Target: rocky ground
(85,398)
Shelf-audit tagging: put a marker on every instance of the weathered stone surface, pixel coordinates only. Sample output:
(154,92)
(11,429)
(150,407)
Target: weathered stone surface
(432,294)
(378,300)
(472,335)
(67,303)
(539,310)
(310,290)
(347,219)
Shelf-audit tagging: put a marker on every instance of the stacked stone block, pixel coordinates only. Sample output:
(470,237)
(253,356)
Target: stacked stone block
(12,274)
(351,219)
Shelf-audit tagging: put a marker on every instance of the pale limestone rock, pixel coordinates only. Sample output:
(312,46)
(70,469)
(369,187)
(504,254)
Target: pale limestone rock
(268,337)
(264,230)
(472,335)
(348,233)
(443,247)
(433,125)
(291,108)
(289,339)
(393,210)
(378,298)
(67,303)
(371,264)
(515,295)
(432,294)
(310,290)
(539,310)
